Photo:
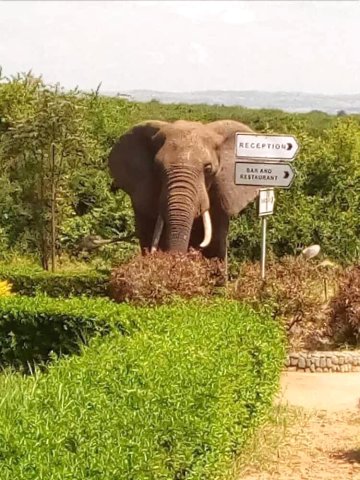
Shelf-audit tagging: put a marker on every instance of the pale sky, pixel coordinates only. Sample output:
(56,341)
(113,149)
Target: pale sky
(304,46)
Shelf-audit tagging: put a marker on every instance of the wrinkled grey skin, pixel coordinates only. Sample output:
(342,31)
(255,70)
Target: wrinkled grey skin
(179,170)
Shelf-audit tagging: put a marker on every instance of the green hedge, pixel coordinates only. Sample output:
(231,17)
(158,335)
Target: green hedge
(33,329)
(31,281)
(176,400)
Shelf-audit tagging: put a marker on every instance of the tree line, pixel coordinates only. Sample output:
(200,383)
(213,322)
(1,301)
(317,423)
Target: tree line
(55,187)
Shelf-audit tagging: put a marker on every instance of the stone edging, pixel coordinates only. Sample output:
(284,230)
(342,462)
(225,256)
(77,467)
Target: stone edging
(340,361)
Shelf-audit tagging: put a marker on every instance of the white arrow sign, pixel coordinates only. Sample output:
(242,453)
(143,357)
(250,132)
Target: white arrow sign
(265,147)
(264,175)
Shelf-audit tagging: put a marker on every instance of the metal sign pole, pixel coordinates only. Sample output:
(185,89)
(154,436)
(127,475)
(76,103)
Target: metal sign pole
(263,246)
(226,266)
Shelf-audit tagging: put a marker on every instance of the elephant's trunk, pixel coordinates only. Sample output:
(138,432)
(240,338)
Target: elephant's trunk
(182,202)
(180,217)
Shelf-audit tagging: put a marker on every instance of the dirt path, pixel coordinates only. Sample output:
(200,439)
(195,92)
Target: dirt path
(323,440)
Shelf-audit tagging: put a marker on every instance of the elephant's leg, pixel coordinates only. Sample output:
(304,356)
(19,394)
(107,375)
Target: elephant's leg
(144,229)
(197,234)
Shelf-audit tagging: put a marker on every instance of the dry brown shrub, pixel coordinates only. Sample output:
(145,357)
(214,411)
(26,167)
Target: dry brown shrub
(298,291)
(156,278)
(344,324)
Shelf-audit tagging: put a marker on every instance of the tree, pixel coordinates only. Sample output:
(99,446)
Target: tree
(48,138)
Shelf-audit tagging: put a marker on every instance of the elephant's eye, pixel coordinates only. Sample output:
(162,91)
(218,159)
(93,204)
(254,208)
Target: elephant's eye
(208,168)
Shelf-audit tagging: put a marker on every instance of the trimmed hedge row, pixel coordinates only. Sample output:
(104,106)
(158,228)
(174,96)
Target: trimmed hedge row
(31,282)
(33,329)
(175,400)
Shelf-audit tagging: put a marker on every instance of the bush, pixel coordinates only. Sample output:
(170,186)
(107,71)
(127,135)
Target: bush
(177,400)
(34,329)
(32,281)
(156,278)
(297,291)
(345,309)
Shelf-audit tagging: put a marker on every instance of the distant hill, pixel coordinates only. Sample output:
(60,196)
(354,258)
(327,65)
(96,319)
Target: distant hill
(287,101)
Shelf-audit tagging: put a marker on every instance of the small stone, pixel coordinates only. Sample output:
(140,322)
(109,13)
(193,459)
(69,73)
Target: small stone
(341,360)
(357,369)
(335,360)
(307,370)
(342,368)
(336,368)
(325,369)
(312,368)
(308,362)
(322,362)
(317,362)
(302,362)
(328,362)
(294,360)
(319,369)
(291,369)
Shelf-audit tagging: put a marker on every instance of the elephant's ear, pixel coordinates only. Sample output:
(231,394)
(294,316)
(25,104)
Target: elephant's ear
(131,160)
(233,198)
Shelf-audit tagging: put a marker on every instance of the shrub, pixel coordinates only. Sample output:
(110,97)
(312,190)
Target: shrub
(296,290)
(177,400)
(33,329)
(156,278)
(32,281)
(344,322)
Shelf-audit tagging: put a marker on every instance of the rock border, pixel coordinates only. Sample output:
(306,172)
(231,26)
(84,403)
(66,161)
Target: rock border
(325,362)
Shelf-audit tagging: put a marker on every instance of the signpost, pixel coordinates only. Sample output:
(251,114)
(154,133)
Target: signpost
(266,147)
(264,174)
(262,161)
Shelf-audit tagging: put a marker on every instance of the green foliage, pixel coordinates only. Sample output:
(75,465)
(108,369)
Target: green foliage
(321,207)
(48,203)
(32,330)
(177,400)
(52,161)
(32,281)
(45,140)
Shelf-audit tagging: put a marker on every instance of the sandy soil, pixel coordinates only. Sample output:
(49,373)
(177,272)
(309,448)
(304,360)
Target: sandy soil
(325,443)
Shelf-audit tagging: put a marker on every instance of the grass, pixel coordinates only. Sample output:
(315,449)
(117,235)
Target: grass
(269,442)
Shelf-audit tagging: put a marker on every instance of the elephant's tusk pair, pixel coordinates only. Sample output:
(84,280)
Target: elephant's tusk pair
(160,225)
(207,229)
(157,234)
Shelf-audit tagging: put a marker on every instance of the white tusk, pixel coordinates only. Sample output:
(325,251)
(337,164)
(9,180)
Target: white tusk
(207,229)
(157,234)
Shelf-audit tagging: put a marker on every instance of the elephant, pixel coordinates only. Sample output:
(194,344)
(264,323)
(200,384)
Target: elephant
(180,178)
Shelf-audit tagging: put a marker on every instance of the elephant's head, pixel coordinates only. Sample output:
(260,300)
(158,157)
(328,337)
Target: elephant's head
(174,171)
